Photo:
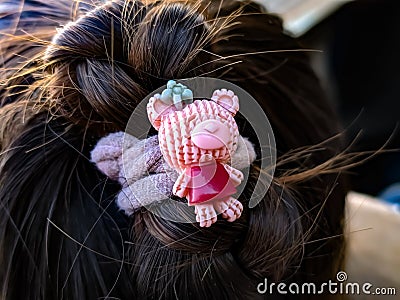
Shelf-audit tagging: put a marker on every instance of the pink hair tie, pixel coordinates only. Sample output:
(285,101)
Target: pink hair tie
(196,155)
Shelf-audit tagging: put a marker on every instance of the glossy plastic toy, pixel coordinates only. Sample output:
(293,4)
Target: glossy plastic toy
(197,139)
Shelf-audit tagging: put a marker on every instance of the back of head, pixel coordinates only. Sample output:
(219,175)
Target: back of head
(60,231)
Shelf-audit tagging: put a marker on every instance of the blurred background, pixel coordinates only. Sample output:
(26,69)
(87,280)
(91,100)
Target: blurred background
(359,67)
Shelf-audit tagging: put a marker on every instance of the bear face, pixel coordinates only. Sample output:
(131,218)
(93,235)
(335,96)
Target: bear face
(196,132)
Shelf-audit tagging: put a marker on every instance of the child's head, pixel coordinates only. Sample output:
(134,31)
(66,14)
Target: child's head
(61,234)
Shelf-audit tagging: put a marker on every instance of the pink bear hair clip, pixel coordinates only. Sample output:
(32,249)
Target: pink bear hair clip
(197,139)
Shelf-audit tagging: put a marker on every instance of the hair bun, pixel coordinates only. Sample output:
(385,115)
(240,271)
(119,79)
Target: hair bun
(102,65)
(97,34)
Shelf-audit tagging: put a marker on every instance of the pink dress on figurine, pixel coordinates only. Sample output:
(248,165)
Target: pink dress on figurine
(208,182)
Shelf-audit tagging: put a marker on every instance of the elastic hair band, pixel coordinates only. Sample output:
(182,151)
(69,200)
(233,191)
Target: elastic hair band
(197,155)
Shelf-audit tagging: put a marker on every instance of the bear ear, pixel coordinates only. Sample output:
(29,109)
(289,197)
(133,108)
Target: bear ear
(227,99)
(156,108)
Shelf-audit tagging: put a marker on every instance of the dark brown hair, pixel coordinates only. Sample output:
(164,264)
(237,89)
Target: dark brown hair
(61,235)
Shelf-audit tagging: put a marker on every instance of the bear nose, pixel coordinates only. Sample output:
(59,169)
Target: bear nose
(211,134)
(211,127)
